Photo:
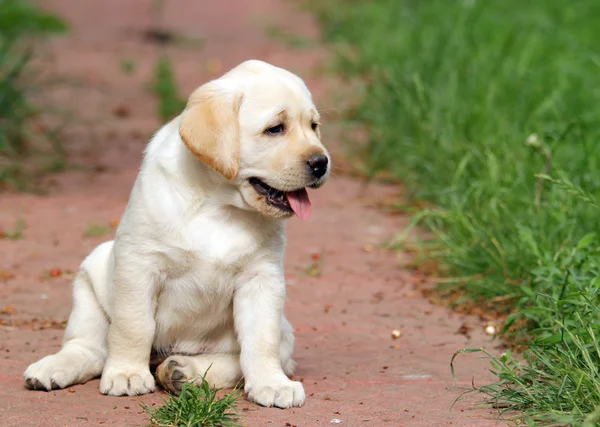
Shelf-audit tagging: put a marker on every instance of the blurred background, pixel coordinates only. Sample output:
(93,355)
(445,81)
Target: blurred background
(487,112)
(90,81)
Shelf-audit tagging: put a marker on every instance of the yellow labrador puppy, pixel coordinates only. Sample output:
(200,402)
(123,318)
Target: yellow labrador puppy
(195,273)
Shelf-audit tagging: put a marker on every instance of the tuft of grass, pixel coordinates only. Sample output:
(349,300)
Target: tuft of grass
(291,40)
(486,110)
(165,88)
(14,233)
(559,379)
(196,406)
(21,18)
(22,25)
(128,65)
(95,230)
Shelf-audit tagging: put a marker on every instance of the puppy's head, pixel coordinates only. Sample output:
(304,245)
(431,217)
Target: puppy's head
(259,129)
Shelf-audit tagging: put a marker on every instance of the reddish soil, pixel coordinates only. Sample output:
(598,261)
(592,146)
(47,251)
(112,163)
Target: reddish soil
(344,305)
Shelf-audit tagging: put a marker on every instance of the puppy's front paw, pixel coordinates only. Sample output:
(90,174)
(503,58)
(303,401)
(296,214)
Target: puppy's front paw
(282,393)
(126,381)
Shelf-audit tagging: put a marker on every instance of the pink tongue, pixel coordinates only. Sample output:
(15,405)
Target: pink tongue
(299,202)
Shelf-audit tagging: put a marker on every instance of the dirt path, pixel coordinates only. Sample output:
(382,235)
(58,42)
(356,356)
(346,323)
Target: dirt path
(343,308)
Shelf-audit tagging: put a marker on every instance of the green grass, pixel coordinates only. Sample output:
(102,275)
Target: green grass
(490,111)
(291,40)
(95,230)
(22,25)
(196,406)
(128,65)
(165,88)
(14,233)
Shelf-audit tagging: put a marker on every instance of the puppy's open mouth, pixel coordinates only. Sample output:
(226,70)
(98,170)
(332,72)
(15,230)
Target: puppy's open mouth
(296,201)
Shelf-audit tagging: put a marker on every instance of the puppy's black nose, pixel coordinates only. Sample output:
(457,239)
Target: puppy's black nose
(318,165)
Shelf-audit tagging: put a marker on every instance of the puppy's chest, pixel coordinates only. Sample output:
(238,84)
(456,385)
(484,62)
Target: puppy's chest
(200,276)
(210,251)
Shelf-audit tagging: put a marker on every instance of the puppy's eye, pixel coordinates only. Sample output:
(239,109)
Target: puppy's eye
(274,130)
(314,126)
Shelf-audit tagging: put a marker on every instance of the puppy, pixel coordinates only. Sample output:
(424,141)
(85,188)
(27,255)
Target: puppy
(195,272)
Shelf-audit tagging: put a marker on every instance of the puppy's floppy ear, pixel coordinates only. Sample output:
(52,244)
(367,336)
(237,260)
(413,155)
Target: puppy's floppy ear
(210,130)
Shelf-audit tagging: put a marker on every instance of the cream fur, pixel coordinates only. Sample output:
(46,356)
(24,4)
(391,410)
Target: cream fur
(196,268)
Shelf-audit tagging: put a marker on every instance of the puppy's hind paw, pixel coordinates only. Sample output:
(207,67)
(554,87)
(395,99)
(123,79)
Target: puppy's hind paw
(173,373)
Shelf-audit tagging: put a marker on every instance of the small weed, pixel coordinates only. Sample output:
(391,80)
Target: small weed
(165,88)
(289,39)
(315,268)
(196,406)
(22,25)
(21,18)
(14,233)
(127,65)
(95,230)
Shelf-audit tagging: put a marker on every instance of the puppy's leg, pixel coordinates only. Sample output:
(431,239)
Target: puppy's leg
(222,371)
(132,327)
(286,348)
(84,347)
(258,306)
